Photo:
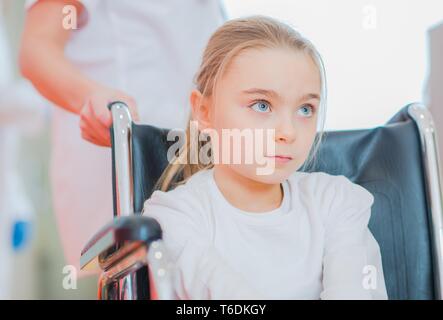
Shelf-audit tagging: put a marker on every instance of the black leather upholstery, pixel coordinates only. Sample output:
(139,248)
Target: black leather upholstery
(149,150)
(385,160)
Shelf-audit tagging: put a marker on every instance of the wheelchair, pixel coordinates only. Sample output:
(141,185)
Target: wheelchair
(396,162)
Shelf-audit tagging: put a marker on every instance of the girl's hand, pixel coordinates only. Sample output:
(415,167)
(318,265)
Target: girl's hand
(96,119)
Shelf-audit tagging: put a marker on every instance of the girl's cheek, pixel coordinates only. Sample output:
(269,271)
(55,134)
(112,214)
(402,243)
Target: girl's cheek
(307,122)
(241,118)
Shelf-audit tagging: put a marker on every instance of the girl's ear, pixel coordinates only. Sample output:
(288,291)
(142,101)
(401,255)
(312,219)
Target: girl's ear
(200,109)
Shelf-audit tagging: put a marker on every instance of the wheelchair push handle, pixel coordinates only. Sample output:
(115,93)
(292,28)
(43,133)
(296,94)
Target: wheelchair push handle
(129,250)
(121,141)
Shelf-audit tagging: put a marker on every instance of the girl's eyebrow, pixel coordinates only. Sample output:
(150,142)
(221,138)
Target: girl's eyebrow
(274,94)
(266,92)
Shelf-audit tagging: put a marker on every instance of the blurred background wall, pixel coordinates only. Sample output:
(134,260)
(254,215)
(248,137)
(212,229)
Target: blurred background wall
(434,87)
(375,51)
(37,268)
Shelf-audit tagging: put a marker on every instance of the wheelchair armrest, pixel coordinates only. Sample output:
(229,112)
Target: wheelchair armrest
(118,238)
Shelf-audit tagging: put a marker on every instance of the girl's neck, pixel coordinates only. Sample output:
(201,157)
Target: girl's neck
(247,194)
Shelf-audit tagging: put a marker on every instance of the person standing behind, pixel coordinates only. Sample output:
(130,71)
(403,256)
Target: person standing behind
(143,53)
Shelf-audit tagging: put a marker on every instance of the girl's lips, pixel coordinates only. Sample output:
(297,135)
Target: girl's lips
(281,159)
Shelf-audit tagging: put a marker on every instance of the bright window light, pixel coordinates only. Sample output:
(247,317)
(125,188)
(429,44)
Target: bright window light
(375,52)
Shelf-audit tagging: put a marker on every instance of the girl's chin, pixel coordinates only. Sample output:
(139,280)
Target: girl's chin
(263,174)
(277,175)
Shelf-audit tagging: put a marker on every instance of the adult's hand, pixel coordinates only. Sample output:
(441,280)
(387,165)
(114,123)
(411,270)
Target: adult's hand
(96,119)
(43,62)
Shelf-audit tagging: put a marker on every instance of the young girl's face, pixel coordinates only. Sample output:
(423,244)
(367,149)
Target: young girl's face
(277,89)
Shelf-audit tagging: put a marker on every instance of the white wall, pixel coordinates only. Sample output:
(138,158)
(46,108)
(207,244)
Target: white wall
(434,88)
(374,51)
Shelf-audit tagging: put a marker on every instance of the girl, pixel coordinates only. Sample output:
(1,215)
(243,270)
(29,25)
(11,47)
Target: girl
(236,233)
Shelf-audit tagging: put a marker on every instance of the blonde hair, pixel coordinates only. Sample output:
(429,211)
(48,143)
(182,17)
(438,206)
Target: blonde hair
(225,44)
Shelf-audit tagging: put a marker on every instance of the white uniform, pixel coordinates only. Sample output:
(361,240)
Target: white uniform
(150,50)
(316,245)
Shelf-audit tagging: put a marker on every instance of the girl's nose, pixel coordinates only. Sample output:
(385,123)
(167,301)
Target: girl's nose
(285,129)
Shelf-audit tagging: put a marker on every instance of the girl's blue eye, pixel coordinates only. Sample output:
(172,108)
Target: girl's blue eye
(261,106)
(307,110)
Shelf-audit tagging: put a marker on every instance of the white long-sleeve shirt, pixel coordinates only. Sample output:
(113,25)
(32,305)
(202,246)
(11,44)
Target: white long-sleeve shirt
(316,245)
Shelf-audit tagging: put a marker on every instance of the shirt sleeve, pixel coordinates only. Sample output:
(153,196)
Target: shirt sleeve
(352,266)
(199,271)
